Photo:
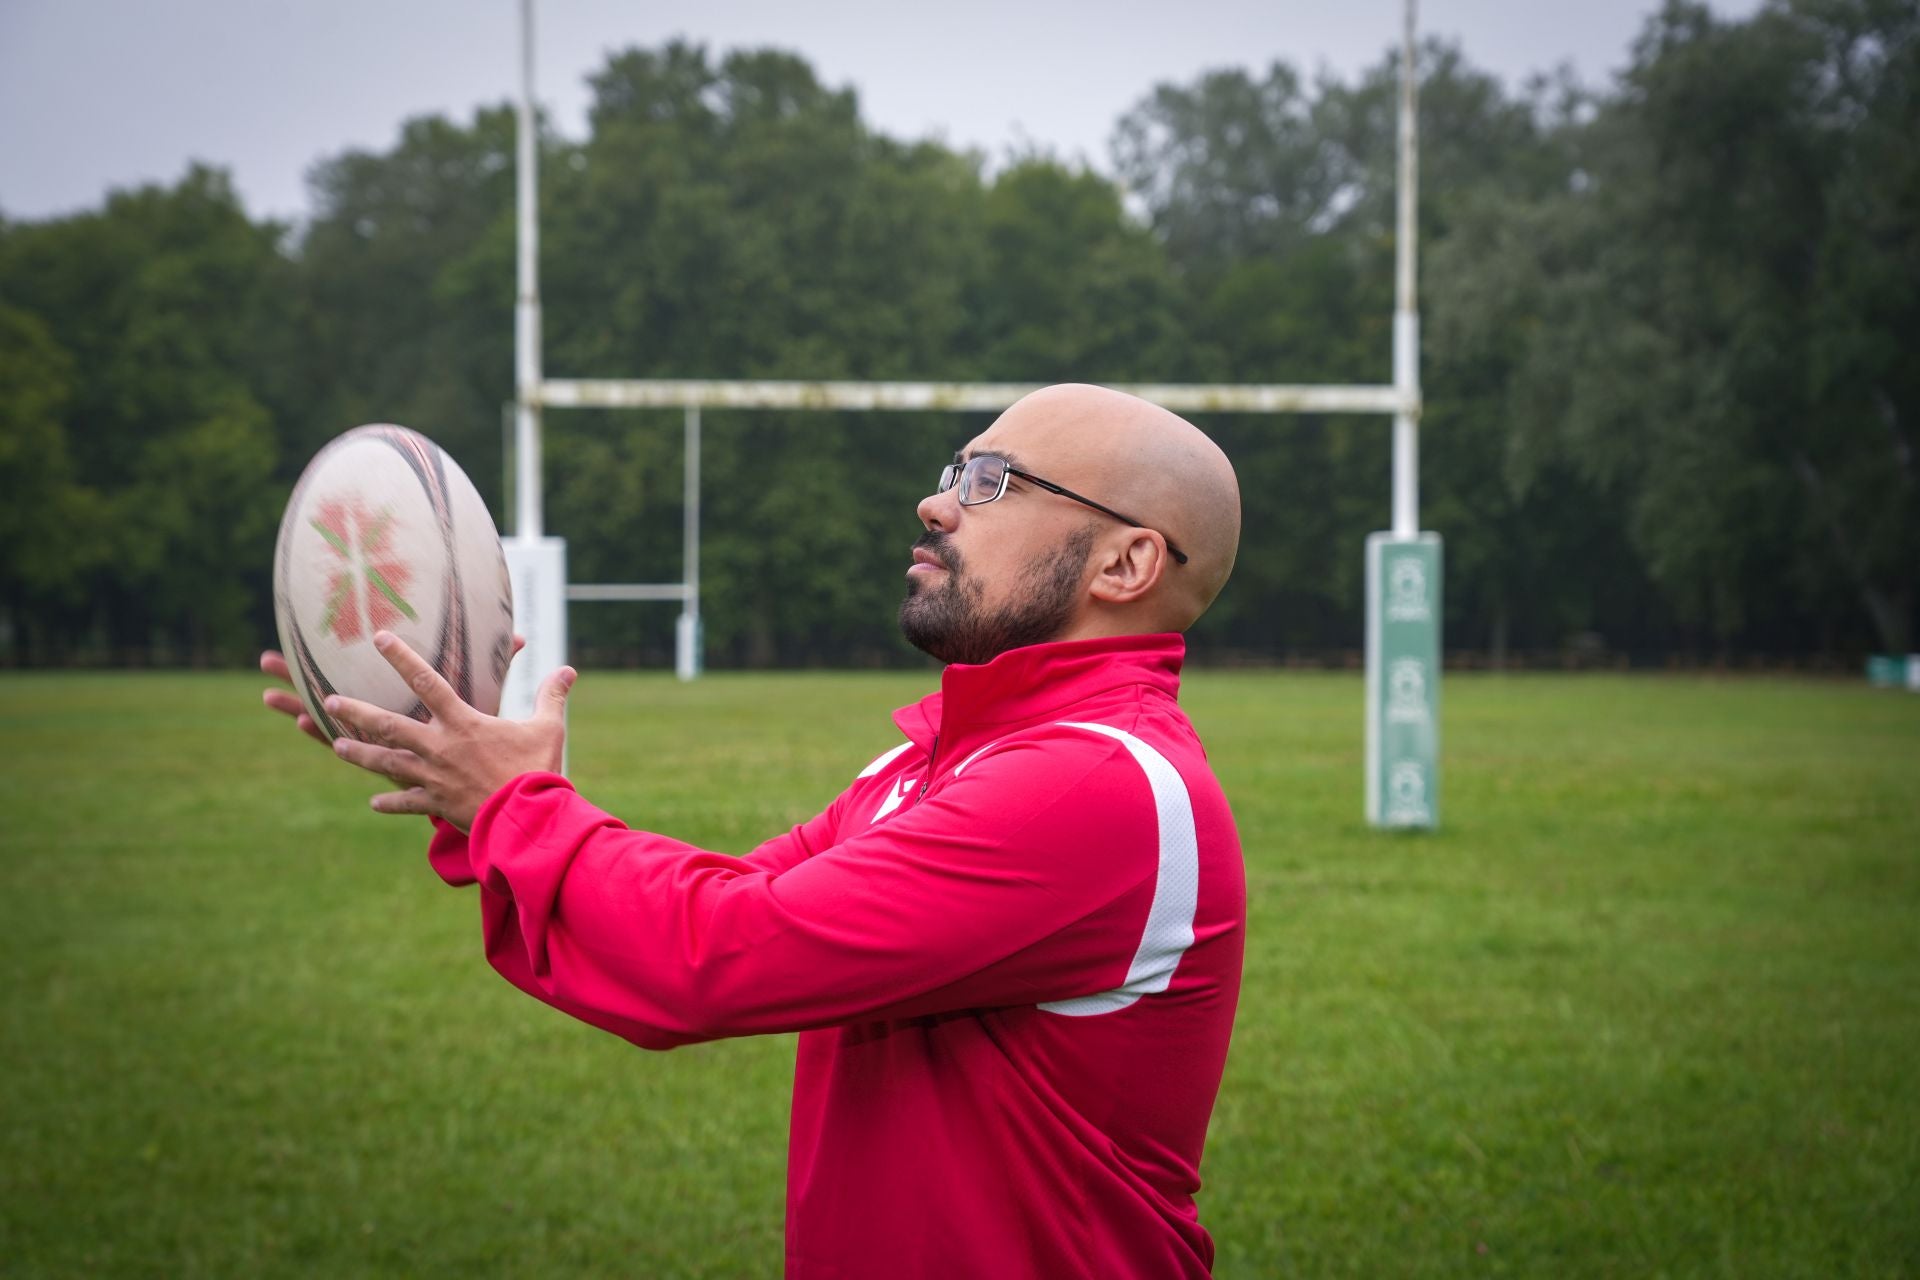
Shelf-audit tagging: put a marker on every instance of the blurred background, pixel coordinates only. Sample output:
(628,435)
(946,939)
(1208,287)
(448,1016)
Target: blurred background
(1668,276)
(1644,1005)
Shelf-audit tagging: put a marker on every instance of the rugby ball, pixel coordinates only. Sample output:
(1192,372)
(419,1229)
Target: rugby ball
(385,532)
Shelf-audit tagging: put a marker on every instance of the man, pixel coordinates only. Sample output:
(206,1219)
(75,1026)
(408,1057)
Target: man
(1012,945)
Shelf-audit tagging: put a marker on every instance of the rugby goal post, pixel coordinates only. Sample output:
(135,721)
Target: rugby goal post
(1402,565)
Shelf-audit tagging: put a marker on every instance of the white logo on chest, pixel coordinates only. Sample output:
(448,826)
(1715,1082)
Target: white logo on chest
(895,798)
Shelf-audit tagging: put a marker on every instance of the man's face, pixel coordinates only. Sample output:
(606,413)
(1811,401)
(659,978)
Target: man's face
(994,576)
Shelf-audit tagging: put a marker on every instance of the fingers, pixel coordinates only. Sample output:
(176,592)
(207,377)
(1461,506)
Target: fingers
(288,705)
(404,767)
(274,663)
(551,702)
(377,724)
(412,800)
(283,701)
(425,682)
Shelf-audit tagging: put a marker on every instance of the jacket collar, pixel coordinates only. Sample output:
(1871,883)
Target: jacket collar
(1031,683)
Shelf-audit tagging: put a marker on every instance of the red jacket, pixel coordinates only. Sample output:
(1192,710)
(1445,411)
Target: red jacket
(1012,947)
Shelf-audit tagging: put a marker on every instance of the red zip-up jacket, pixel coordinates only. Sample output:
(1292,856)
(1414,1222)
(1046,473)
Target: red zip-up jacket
(1012,949)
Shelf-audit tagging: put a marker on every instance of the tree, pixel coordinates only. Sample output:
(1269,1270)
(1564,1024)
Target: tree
(50,534)
(1275,200)
(1722,305)
(1669,388)
(406,291)
(170,307)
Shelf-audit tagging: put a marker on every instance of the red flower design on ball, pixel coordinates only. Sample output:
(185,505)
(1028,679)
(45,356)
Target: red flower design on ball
(368,569)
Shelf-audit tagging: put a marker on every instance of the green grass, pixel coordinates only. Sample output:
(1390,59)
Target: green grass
(1648,1005)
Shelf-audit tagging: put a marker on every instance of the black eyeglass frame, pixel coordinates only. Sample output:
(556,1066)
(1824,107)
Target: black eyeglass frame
(951,473)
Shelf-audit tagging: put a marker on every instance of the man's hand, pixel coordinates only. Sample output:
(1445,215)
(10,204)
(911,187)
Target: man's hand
(285,701)
(288,703)
(451,764)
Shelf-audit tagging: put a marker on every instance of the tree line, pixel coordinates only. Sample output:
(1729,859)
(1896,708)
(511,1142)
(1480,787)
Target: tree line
(1671,388)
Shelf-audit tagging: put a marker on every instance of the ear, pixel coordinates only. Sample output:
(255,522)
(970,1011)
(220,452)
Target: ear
(1129,568)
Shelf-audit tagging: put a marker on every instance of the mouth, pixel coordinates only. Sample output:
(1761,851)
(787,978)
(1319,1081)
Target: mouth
(924,561)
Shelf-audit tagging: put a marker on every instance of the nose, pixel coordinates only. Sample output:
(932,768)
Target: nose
(936,510)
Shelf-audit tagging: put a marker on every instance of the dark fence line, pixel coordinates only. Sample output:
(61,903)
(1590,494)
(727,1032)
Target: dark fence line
(1831,665)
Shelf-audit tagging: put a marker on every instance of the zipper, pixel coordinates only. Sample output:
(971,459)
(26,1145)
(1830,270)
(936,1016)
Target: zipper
(932,755)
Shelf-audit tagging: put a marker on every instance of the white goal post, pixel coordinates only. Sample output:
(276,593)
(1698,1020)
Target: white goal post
(538,562)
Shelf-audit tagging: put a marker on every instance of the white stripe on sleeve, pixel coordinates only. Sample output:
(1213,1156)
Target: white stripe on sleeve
(1176,888)
(885,759)
(975,756)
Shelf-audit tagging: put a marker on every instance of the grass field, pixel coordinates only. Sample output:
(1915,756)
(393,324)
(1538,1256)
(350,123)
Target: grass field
(1648,1006)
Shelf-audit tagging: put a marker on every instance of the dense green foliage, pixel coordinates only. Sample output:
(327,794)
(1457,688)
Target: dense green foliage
(1671,395)
(1645,1006)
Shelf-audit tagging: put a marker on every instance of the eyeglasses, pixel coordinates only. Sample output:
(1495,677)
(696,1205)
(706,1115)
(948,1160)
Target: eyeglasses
(983,478)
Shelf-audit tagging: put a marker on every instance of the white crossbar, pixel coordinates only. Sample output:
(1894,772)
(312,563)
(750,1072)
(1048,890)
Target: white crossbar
(983,397)
(628,591)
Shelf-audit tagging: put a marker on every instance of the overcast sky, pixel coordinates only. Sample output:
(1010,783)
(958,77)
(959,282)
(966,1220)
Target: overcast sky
(96,94)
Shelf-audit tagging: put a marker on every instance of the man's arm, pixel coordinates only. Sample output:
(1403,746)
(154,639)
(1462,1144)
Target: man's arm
(1028,881)
(506,951)
(450,856)
(794,846)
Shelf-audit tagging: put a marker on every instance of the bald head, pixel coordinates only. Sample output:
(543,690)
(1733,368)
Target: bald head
(1147,462)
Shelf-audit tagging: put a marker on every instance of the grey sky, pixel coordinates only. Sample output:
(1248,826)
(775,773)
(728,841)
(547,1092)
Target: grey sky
(110,93)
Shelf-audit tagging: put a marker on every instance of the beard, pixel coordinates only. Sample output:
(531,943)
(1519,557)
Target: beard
(949,622)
